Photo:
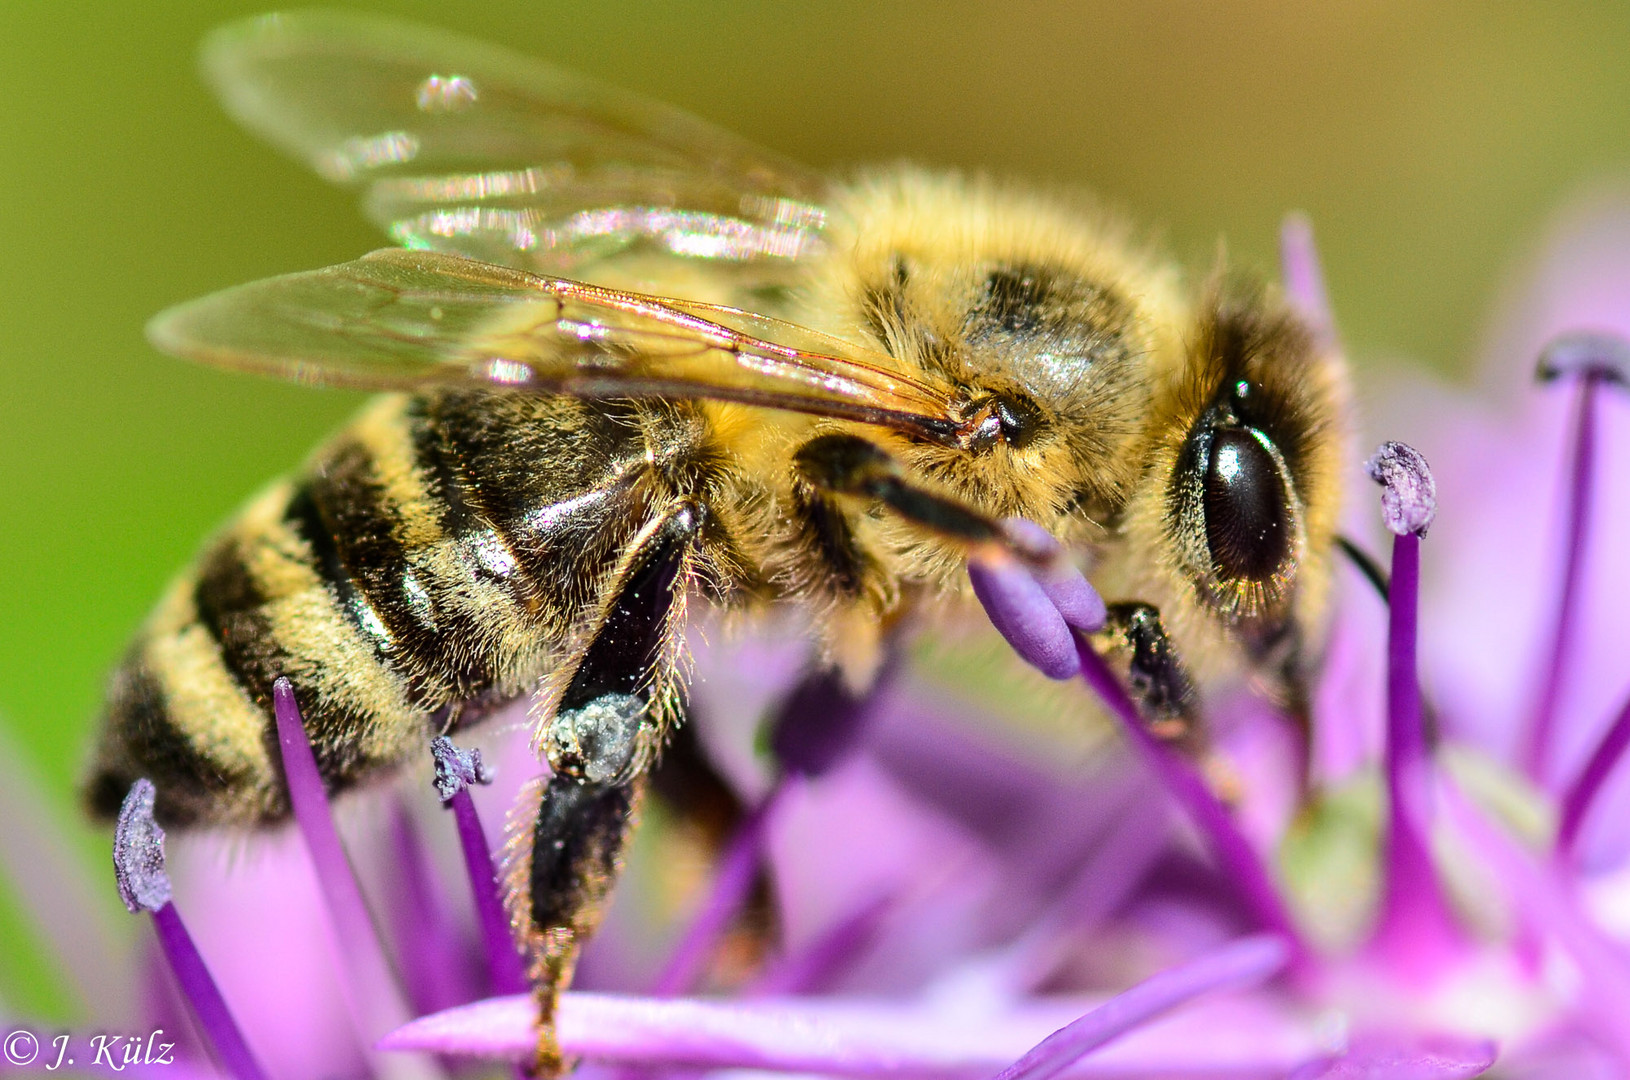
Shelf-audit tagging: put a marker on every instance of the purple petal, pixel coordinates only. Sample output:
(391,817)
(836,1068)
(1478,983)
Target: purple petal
(41,868)
(1441,1058)
(862,1037)
(1410,496)
(1244,963)
(1302,275)
(1024,614)
(372,994)
(1347,704)
(138,851)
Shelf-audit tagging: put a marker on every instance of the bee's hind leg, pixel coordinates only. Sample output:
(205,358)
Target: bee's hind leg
(567,835)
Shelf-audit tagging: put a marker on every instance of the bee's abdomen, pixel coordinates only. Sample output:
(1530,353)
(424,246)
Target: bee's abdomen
(440,550)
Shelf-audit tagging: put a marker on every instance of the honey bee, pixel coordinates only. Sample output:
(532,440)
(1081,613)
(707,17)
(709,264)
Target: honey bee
(630,363)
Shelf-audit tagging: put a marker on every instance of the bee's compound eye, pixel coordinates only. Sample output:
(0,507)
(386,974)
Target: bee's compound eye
(1020,420)
(1246,506)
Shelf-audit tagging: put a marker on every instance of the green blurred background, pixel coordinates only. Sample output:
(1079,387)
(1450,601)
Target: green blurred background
(1427,141)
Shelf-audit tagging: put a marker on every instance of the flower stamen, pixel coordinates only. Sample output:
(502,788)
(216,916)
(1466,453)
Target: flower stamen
(1581,794)
(733,883)
(1238,861)
(1594,359)
(1414,925)
(138,864)
(456,770)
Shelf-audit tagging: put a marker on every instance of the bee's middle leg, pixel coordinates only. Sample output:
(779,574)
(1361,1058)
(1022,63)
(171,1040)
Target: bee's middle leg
(567,839)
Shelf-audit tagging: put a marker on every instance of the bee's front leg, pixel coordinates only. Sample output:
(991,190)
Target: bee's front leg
(566,837)
(1135,642)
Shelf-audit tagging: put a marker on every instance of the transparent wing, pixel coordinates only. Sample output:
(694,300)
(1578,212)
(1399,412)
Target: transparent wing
(469,148)
(406,319)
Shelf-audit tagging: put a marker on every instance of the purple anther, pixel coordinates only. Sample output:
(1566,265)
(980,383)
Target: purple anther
(1410,495)
(1598,354)
(1024,614)
(456,769)
(138,851)
(1030,540)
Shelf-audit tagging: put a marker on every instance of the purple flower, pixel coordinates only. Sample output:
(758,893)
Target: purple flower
(969,877)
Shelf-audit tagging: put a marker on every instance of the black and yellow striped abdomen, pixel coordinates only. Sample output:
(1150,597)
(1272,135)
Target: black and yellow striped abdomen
(441,551)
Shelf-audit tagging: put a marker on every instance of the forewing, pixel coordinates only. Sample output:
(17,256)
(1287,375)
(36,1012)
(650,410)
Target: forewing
(410,319)
(466,147)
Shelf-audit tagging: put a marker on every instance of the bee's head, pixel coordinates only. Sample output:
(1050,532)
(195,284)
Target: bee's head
(1241,486)
(1044,327)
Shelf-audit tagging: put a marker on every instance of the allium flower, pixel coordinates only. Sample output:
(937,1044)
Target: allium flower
(969,879)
